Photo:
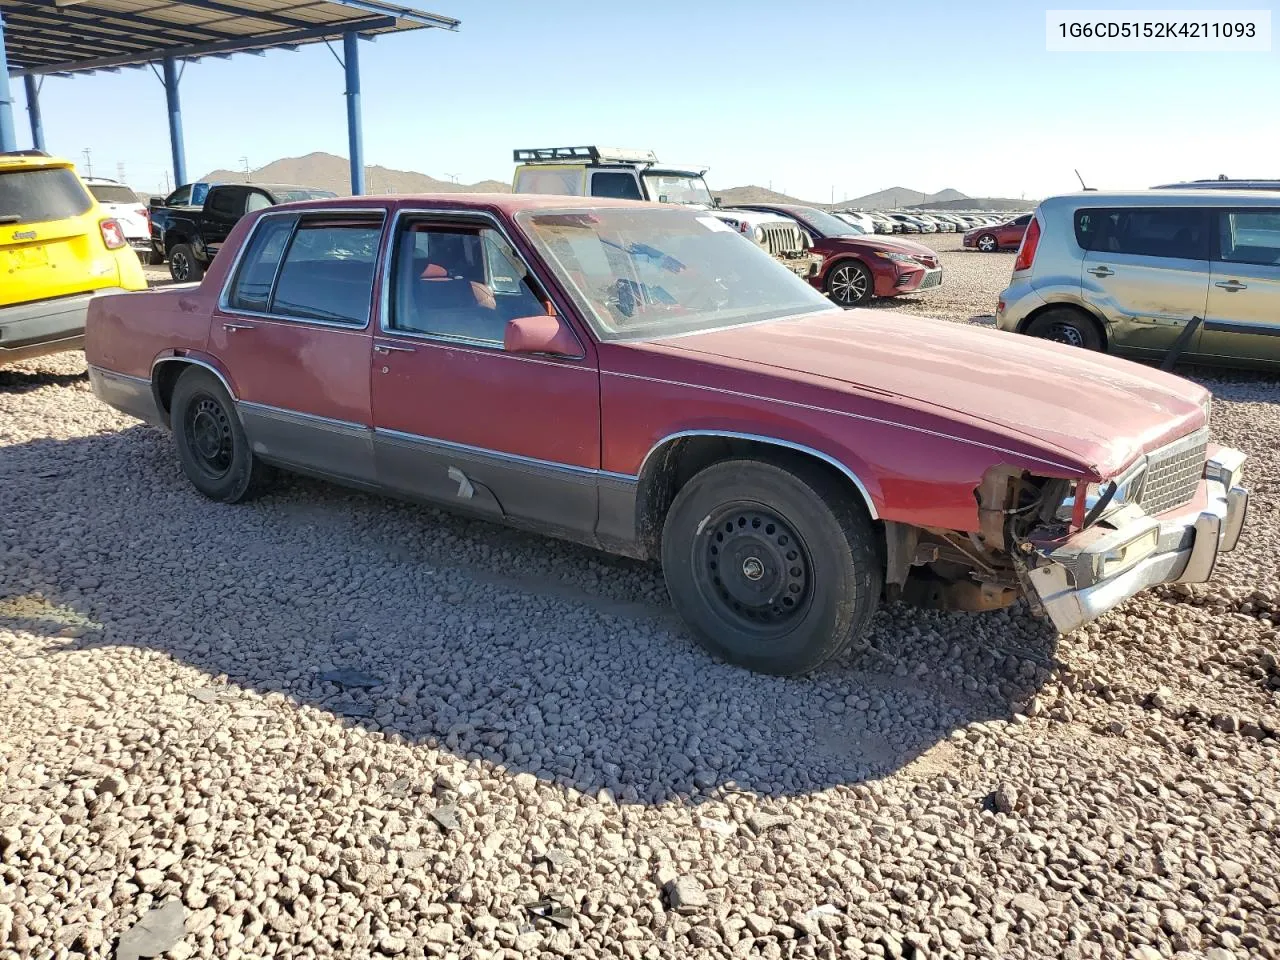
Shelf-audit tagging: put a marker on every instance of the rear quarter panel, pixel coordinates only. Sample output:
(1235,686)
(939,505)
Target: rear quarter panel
(127,332)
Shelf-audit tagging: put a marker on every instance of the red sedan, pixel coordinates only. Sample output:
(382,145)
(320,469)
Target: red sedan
(1001,236)
(856,265)
(641,378)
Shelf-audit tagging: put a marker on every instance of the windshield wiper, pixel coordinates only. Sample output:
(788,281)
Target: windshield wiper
(10,218)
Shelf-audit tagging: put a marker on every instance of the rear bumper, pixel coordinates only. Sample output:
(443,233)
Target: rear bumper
(1187,543)
(45,326)
(131,395)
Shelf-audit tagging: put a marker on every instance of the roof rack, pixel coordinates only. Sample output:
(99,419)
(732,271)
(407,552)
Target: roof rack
(589,154)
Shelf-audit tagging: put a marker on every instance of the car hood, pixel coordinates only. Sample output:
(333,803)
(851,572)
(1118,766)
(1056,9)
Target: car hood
(1098,411)
(872,242)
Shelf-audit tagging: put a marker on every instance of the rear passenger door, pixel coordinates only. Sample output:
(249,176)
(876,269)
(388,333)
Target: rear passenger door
(1243,317)
(460,421)
(293,330)
(1146,271)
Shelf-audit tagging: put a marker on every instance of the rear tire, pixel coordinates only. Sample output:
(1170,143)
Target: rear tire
(212,446)
(154,259)
(850,284)
(183,265)
(987,243)
(777,570)
(1067,325)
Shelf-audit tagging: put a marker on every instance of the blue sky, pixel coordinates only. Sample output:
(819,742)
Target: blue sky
(809,97)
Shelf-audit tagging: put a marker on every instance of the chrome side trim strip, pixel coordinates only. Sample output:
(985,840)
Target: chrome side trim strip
(112,375)
(199,363)
(774,442)
(511,458)
(838,413)
(309,419)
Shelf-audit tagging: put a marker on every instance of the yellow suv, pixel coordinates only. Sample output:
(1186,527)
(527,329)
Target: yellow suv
(57,252)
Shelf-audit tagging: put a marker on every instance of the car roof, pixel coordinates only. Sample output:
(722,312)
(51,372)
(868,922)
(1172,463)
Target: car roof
(1165,198)
(17,161)
(508,203)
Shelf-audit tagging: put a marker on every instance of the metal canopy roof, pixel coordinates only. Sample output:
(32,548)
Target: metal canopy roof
(78,36)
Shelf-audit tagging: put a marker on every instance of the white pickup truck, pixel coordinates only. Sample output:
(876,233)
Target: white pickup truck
(635,175)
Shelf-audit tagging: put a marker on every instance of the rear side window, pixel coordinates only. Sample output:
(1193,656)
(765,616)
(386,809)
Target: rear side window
(252,287)
(562,181)
(1249,236)
(619,186)
(35,196)
(327,273)
(228,203)
(1023,220)
(257,201)
(1180,233)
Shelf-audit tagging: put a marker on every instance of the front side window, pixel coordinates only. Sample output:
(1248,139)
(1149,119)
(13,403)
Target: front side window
(179,198)
(655,271)
(1165,232)
(310,269)
(1249,236)
(460,283)
(1023,220)
(38,196)
(620,186)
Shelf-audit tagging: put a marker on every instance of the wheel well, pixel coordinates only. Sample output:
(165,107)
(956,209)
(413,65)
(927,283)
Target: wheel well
(675,463)
(1092,318)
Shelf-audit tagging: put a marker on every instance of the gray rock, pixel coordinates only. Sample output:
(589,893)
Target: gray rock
(685,894)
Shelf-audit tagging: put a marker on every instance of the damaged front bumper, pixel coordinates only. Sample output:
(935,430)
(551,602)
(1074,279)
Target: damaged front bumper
(1082,577)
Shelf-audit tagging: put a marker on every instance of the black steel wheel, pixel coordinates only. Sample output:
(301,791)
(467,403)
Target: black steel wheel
(754,570)
(774,566)
(211,444)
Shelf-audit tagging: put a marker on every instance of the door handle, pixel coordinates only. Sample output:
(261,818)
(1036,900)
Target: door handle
(386,348)
(1102,271)
(233,327)
(1231,286)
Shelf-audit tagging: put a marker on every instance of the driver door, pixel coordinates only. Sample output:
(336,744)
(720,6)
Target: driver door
(459,421)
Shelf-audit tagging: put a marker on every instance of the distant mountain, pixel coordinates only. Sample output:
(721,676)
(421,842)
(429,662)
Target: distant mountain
(895,197)
(328,172)
(754,194)
(994,204)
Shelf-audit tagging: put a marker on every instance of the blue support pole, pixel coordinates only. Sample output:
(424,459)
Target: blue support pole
(355,134)
(175,122)
(33,111)
(8,139)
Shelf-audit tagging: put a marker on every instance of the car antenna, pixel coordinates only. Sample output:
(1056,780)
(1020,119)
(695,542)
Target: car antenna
(1081,179)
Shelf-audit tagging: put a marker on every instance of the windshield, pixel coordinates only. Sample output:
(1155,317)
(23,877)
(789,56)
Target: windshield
(673,188)
(112,193)
(654,272)
(823,224)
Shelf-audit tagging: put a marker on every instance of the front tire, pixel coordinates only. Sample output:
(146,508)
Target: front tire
(183,265)
(154,258)
(987,243)
(1066,325)
(773,569)
(212,446)
(850,284)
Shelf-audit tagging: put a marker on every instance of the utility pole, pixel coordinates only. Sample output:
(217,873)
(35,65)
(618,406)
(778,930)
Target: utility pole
(88,162)
(120,173)
(244,162)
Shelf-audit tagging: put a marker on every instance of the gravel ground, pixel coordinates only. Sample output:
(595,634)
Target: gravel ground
(526,756)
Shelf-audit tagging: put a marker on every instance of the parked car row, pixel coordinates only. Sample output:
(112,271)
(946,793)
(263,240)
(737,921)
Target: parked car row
(898,221)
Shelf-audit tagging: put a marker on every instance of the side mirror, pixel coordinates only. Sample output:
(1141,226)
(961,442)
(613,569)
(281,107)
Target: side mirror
(717,201)
(154,202)
(541,334)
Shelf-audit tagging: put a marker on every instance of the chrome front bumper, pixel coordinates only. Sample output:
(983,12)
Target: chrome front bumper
(1074,583)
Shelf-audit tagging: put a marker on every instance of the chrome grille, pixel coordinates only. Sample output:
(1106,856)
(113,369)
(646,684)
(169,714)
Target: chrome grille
(782,239)
(1173,473)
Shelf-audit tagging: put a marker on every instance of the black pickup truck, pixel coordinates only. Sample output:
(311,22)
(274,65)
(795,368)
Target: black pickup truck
(189,236)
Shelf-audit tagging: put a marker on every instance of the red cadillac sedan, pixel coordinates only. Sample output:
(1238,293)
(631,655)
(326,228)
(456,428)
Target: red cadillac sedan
(857,266)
